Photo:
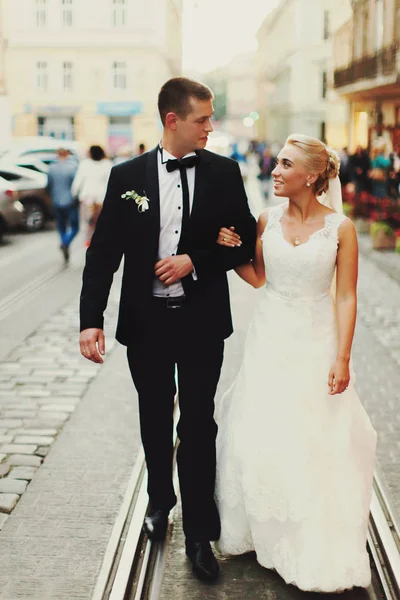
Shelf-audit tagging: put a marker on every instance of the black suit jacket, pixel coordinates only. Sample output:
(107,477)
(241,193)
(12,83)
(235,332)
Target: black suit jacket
(121,230)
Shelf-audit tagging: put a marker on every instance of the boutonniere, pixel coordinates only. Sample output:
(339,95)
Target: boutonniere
(141,201)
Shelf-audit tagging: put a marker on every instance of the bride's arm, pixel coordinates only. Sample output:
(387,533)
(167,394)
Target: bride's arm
(253,272)
(346,305)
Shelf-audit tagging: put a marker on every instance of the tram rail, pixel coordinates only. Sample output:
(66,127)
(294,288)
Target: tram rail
(133,566)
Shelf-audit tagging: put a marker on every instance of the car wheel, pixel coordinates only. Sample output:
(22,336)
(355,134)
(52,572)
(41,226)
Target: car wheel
(3,228)
(34,218)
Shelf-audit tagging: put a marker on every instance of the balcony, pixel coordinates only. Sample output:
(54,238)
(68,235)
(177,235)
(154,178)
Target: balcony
(382,64)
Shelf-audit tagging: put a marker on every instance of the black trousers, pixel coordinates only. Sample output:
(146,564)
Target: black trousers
(153,359)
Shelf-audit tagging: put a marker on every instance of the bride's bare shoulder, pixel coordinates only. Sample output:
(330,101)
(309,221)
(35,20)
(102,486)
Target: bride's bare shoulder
(262,221)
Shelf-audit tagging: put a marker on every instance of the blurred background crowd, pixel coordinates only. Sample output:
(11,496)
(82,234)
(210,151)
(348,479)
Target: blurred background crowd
(326,68)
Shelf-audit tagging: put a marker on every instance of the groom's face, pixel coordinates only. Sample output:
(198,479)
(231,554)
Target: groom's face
(192,132)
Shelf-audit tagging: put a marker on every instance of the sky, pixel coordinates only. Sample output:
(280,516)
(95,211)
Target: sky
(214,31)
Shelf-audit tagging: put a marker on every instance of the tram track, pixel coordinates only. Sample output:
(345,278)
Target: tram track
(133,566)
(32,288)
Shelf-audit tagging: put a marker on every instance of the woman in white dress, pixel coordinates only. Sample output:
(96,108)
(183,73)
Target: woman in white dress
(90,186)
(295,448)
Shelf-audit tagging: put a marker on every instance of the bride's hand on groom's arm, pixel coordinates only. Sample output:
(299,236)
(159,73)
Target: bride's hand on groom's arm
(339,377)
(228,237)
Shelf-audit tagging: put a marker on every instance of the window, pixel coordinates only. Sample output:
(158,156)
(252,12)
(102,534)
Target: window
(41,13)
(327,32)
(9,176)
(365,31)
(67,76)
(66,13)
(324,84)
(322,135)
(119,75)
(41,76)
(119,13)
(379,24)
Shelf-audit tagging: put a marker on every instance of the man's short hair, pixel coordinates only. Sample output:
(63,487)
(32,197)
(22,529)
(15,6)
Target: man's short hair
(176,93)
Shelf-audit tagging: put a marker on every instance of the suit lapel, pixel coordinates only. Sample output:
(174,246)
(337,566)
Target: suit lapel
(152,190)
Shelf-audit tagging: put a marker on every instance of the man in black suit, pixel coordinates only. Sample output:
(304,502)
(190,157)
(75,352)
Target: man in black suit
(163,211)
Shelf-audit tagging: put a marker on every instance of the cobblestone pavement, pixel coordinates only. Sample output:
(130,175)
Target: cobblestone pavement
(377,364)
(41,383)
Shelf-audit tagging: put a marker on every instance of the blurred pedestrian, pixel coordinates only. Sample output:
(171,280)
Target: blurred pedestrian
(141,149)
(241,159)
(66,210)
(123,154)
(90,185)
(378,173)
(360,164)
(266,164)
(345,172)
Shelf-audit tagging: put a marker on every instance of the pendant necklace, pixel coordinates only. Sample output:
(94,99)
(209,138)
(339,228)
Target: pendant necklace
(296,241)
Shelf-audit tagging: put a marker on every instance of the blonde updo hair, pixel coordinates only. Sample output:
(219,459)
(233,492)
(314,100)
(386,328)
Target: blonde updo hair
(319,158)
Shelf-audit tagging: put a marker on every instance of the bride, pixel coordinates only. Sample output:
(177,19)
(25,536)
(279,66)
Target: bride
(295,449)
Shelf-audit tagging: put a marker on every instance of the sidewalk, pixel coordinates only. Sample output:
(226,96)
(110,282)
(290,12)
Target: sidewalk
(386,261)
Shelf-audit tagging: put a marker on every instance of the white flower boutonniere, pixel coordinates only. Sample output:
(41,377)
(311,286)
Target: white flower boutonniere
(141,201)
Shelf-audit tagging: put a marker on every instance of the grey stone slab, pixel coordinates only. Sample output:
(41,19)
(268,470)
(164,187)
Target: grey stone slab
(8,502)
(56,372)
(35,431)
(63,408)
(26,473)
(43,451)
(4,470)
(6,439)
(2,457)
(11,423)
(24,460)
(10,367)
(45,421)
(18,448)
(53,416)
(12,486)
(34,393)
(39,440)
(18,414)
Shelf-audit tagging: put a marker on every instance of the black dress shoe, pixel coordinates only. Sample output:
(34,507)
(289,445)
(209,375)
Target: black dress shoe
(205,565)
(156,524)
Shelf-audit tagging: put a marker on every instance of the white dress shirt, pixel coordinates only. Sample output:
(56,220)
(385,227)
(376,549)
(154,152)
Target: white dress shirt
(171,211)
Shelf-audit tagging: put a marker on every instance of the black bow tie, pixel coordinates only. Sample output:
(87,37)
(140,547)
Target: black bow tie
(187,163)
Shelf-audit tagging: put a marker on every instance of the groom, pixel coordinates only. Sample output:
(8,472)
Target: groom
(162,212)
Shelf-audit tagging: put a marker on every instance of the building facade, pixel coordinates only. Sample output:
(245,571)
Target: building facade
(367,74)
(235,89)
(90,70)
(294,62)
(5,108)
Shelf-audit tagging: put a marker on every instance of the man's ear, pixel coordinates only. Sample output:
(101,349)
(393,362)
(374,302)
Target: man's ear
(171,121)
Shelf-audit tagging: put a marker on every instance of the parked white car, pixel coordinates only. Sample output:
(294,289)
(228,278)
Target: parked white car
(36,152)
(31,190)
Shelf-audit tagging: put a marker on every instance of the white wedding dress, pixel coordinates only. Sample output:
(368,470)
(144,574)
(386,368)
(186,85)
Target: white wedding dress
(295,465)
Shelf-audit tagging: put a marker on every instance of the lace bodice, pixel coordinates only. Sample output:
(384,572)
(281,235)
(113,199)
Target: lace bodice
(304,271)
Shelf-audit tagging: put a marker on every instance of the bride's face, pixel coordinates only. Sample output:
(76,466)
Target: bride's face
(290,174)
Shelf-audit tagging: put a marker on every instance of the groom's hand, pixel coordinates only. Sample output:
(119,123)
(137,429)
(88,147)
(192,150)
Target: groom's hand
(92,344)
(172,269)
